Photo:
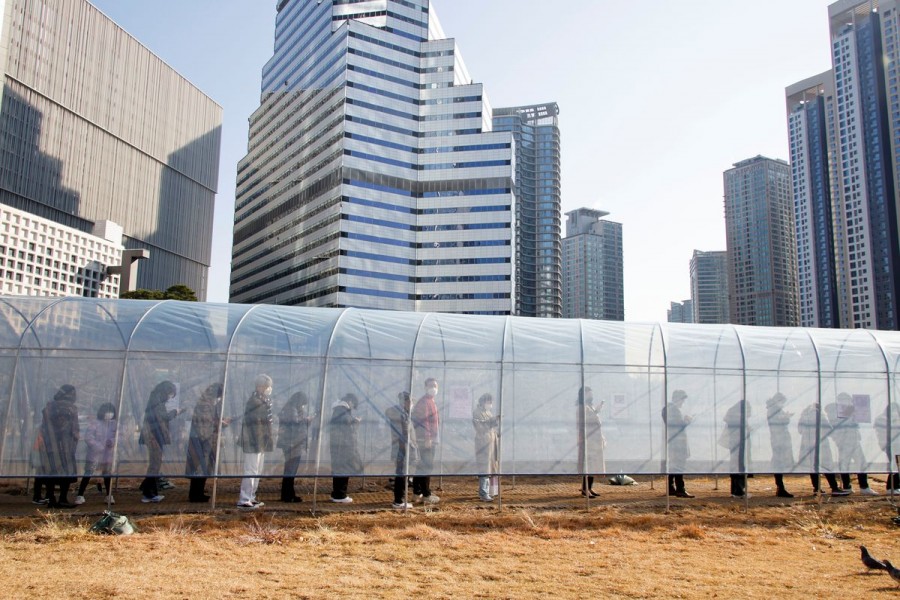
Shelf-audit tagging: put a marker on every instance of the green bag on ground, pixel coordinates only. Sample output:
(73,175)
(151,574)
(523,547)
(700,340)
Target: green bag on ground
(621,480)
(113,524)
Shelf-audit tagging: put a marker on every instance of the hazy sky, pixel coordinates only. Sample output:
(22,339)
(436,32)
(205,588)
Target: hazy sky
(657,98)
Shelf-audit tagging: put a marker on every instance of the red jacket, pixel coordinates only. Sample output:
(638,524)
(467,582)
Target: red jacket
(425,420)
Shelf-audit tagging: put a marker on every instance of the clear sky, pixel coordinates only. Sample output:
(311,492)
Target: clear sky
(657,98)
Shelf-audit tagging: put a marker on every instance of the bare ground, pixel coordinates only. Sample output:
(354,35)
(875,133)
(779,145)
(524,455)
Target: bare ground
(544,541)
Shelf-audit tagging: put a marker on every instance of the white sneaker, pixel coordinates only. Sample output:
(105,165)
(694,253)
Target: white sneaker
(401,505)
(156,498)
(432,499)
(346,500)
(487,498)
(110,499)
(863,491)
(895,492)
(79,499)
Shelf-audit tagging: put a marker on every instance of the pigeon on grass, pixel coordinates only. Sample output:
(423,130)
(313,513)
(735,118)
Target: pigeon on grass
(870,561)
(893,571)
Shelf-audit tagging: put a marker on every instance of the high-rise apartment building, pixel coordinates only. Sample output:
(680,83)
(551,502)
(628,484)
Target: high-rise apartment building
(373,177)
(593,274)
(709,286)
(762,252)
(94,127)
(680,312)
(844,128)
(810,107)
(538,175)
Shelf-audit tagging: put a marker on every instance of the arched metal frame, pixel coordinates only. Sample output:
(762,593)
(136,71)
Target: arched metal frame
(642,351)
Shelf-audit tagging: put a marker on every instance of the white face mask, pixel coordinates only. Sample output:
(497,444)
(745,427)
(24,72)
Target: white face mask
(107,416)
(432,390)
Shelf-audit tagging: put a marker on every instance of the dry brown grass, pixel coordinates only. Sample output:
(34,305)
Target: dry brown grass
(699,549)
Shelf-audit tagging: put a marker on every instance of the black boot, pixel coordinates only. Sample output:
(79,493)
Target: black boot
(195,491)
(287,490)
(63,501)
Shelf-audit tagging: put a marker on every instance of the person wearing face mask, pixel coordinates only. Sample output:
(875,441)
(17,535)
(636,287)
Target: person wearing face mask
(344,444)
(100,439)
(155,434)
(591,443)
(426,423)
(487,451)
(203,442)
(256,439)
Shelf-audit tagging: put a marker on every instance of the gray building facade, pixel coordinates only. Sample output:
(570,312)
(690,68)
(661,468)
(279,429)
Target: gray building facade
(680,312)
(373,178)
(538,191)
(593,272)
(762,251)
(94,127)
(709,286)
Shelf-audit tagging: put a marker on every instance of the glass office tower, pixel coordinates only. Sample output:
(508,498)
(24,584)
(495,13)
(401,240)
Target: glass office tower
(373,178)
(94,127)
(538,206)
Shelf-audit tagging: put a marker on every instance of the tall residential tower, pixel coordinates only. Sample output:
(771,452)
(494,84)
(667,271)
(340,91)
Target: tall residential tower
(709,286)
(373,177)
(593,274)
(762,253)
(844,128)
(538,206)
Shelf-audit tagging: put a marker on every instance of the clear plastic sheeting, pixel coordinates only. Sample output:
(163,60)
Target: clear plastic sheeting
(148,389)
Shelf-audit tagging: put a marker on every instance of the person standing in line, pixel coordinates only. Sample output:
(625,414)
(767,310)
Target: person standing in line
(426,423)
(890,442)
(293,437)
(845,430)
(100,438)
(155,435)
(398,419)
(679,450)
(591,442)
(731,439)
(256,439)
(809,440)
(780,439)
(60,433)
(487,442)
(203,441)
(345,457)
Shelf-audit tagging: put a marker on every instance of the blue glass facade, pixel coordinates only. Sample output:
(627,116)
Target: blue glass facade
(538,207)
(372,177)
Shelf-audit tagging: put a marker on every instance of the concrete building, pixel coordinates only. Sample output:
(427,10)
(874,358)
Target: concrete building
(39,257)
(680,312)
(593,273)
(762,251)
(94,127)
(535,130)
(373,178)
(709,286)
